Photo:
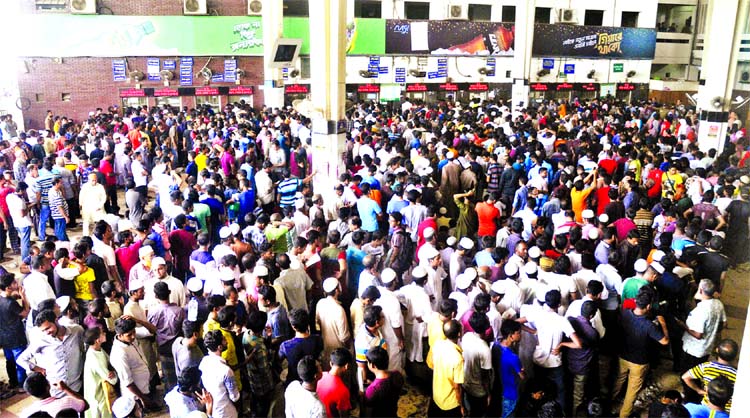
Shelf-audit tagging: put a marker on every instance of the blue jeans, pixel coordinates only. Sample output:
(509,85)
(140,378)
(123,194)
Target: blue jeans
(25,235)
(44,215)
(17,376)
(509,405)
(60,229)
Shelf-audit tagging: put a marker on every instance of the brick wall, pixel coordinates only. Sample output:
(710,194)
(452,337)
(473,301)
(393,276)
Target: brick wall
(89,82)
(155,8)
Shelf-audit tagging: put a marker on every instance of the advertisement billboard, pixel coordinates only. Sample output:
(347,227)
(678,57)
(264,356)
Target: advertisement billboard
(593,41)
(448,37)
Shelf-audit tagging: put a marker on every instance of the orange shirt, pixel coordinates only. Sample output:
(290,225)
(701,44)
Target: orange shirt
(578,201)
(487,214)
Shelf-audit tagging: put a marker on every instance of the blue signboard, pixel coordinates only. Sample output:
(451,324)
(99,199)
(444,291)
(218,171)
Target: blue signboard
(119,73)
(169,65)
(569,68)
(153,66)
(400,75)
(230,68)
(186,75)
(548,63)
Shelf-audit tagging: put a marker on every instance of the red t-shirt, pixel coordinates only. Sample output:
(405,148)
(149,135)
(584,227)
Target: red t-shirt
(655,190)
(602,199)
(608,165)
(105,167)
(127,257)
(487,214)
(333,393)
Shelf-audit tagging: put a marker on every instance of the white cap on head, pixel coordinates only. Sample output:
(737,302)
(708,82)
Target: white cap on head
(123,406)
(234,229)
(294,264)
(530,269)
(450,155)
(330,284)
(135,285)
(388,275)
(224,232)
(63,302)
(658,267)
(588,214)
(260,271)
(640,265)
(541,292)
(418,272)
(471,273)
(604,218)
(425,171)
(463,281)
(593,234)
(466,243)
(428,232)
(534,252)
(145,250)
(511,269)
(299,203)
(194,284)
(658,255)
(158,261)
(451,241)
(430,252)
(499,287)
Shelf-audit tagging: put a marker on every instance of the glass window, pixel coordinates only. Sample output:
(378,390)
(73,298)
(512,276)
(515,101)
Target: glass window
(509,14)
(417,10)
(629,19)
(593,17)
(542,15)
(297,8)
(480,12)
(367,9)
(51,5)
(212,101)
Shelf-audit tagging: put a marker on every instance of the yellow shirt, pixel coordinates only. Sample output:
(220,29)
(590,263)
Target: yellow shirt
(448,370)
(672,181)
(201,160)
(82,281)
(434,334)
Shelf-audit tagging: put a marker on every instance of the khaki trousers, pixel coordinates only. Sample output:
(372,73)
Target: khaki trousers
(635,374)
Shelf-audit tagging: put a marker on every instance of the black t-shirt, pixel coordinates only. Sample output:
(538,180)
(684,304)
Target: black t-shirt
(638,331)
(100,270)
(711,265)
(11,326)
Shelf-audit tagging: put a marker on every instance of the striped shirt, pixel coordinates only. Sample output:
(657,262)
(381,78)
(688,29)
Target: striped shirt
(710,370)
(57,204)
(494,171)
(287,190)
(44,183)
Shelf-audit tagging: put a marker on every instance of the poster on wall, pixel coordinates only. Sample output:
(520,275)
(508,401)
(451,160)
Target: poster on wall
(119,69)
(593,41)
(230,71)
(153,66)
(139,36)
(449,37)
(363,36)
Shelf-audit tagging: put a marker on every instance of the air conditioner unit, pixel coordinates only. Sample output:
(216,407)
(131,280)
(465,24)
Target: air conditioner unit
(457,12)
(83,7)
(294,73)
(745,77)
(254,7)
(418,73)
(568,16)
(367,74)
(194,7)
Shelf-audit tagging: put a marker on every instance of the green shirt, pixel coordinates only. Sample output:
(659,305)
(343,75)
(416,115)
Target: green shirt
(276,235)
(202,212)
(631,286)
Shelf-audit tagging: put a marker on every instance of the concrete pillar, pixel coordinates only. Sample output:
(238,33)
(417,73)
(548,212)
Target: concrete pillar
(740,402)
(524,36)
(273,27)
(327,85)
(719,62)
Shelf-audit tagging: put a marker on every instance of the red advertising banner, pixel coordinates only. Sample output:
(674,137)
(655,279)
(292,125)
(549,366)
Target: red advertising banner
(539,87)
(166,92)
(368,88)
(206,91)
(240,91)
(418,87)
(479,87)
(297,89)
(132,93)
(448,87)
(626,86)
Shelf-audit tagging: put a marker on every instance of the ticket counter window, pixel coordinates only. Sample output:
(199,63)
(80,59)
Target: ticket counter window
(174,102)
(212,101)
(236,99)
(134,102)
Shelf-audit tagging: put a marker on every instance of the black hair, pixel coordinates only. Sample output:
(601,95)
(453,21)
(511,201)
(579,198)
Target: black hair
(226,316)
(189,379)
(341,357)
(45,316)
(378,357)
(256,321)
(307,369)
(36,385)
(372,314)
(479,322)
(123,325)
(507,328)
(213,339)
(553,298)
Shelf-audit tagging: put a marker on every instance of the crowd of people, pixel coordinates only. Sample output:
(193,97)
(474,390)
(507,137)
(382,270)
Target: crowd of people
(536,262)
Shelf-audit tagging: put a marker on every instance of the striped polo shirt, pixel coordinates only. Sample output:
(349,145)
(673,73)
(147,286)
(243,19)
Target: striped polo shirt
(710,370)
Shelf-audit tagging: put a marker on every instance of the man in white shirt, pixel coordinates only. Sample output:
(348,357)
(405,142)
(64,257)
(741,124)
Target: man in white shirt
(594,290)
(301,398)
(477,365)
(218,377)
(702,327)
(19,213)
(418,312)
(393,326)
(92,199)
(140,176)
(551,328)
(36,285)
(177,293)
(129,363)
